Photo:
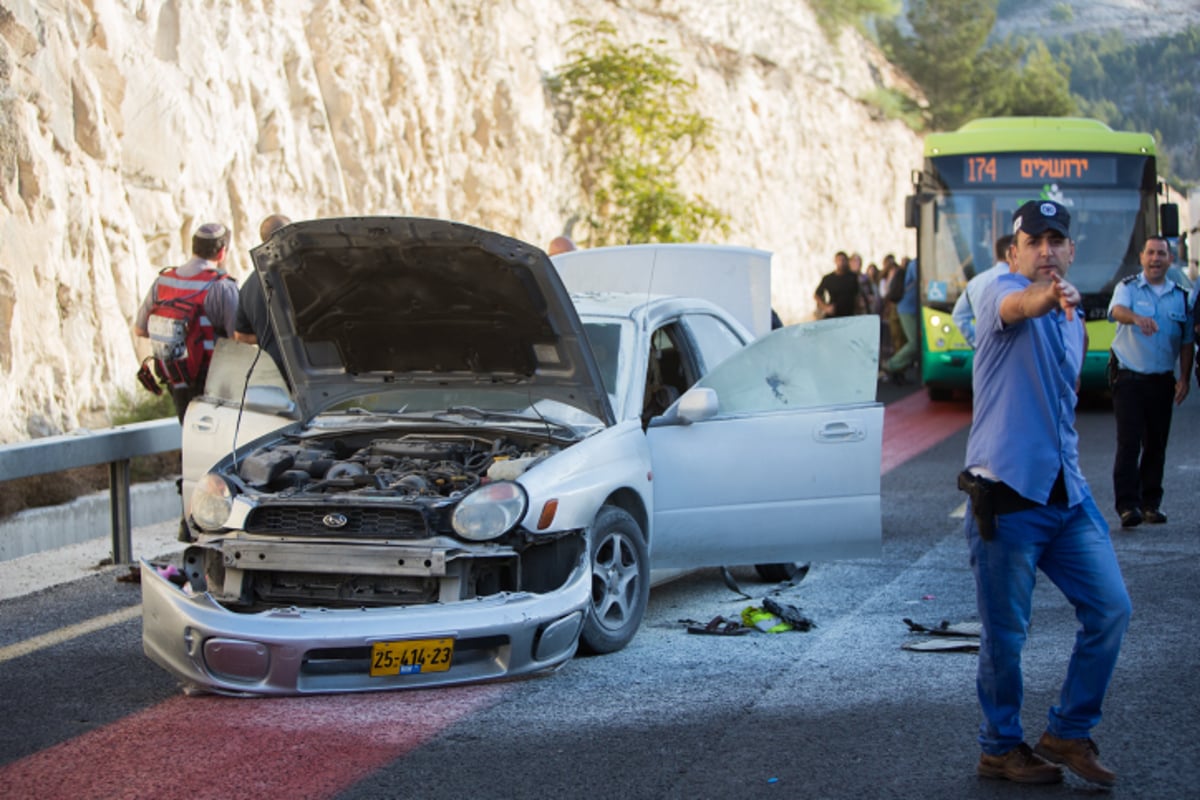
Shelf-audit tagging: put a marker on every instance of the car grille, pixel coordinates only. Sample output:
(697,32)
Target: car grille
(375,523)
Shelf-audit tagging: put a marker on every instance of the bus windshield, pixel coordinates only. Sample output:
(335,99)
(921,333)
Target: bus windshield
(969,214)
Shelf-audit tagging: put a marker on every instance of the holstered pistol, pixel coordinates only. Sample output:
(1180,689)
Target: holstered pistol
(983,501)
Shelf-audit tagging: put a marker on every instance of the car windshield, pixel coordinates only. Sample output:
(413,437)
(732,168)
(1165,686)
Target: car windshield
(604,335)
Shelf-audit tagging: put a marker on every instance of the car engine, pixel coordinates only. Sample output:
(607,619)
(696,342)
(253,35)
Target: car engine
(404,467)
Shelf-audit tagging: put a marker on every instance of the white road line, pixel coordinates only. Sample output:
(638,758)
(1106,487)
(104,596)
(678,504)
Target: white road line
(68,633)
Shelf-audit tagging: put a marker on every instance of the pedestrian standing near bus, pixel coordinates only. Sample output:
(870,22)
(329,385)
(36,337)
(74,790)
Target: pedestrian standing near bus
(963,314)
(1154,333)
(892,278)
(908,309)
(1031,508)
(837,293)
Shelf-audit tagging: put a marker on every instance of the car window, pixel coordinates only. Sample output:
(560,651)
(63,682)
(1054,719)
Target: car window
(670,370)
(606,336)
(830,362)
(232,362)
(715,340)
(605,341)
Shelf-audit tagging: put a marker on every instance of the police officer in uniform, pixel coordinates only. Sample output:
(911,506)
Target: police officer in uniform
(1031,508)
(1154,333)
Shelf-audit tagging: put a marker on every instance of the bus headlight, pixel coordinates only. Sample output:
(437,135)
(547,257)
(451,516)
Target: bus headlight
(490,511)
(212,500)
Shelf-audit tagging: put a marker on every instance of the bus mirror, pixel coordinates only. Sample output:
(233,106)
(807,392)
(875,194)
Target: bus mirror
(1169,213)
(912,211)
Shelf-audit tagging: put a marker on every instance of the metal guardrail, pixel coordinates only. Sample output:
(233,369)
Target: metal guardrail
(113,446)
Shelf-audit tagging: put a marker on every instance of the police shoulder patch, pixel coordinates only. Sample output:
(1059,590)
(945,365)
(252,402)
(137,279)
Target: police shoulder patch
(1131,278)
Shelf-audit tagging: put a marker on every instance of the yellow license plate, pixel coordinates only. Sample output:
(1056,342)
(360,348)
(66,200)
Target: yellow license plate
(411,657)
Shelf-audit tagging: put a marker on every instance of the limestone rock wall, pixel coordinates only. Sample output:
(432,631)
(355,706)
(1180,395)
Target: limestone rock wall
(126,123)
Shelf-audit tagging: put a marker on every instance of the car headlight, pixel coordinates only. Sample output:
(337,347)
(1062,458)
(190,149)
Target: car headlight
(212,500)
(489,511)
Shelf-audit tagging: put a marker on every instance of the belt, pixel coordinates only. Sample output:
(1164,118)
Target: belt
(1146,376)
(1008,501)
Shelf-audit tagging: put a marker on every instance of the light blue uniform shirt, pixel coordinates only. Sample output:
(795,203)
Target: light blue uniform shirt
(1158,352)
(963,314)
(1023,429)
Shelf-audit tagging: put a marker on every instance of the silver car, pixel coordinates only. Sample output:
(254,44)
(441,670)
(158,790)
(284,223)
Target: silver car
(468,473)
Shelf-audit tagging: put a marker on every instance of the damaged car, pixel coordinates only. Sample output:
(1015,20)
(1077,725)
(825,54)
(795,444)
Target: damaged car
(466,472)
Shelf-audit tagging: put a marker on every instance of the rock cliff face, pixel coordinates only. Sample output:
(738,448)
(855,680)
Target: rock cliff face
(126,123)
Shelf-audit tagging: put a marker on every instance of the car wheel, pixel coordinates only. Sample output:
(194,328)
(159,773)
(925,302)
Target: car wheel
(778,573)
(620,582)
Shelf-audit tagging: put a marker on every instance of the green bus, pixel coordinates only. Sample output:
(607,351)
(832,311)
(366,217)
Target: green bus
(973,180)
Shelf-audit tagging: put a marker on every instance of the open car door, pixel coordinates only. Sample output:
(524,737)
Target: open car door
(218,420)
(774,456)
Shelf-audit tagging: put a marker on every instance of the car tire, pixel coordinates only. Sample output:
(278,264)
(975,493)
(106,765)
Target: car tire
(620,582)
(778,573)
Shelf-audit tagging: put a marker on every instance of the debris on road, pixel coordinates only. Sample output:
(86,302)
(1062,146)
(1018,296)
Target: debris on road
(717,626)
(959,637)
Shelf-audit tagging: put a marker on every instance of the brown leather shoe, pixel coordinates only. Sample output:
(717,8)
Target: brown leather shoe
(1077,755)
(1020,765)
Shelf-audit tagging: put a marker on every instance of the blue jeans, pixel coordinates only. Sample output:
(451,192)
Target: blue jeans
(1072,547)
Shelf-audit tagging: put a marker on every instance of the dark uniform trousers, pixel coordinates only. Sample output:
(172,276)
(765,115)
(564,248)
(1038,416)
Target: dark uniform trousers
(1142,405)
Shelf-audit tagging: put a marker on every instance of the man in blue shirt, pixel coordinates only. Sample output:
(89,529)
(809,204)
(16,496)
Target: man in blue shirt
(1154,333)
(1034,510)
(963,314)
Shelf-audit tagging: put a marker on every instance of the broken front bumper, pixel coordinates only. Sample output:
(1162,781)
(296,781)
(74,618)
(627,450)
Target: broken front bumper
(295,650)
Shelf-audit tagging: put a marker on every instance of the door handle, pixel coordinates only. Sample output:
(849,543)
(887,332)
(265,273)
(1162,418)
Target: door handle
(832,432)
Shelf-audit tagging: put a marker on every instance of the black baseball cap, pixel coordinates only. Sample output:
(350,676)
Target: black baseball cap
(1038,216)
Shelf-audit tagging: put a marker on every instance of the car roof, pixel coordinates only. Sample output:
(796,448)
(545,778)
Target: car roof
(638,307)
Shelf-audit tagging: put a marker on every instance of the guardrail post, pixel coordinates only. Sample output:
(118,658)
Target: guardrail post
(119,503)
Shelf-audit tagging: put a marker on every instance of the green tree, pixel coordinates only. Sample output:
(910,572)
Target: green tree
(942,53)
(1062,13)
(1041,89)
(963,76)
(1148,85)
(833,14)
(628,114)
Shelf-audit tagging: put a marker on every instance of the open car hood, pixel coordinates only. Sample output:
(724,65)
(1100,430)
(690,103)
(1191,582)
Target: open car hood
(366,304)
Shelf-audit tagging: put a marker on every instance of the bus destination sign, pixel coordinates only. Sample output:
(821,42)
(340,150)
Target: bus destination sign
(1052,167)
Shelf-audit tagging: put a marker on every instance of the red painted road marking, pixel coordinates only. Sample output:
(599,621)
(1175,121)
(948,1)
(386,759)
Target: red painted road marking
(913,425)
(220,748)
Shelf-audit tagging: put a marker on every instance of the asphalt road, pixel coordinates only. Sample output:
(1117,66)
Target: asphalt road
(838,712)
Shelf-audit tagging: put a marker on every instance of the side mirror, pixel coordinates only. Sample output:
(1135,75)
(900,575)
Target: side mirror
(697,404)
(1169,214)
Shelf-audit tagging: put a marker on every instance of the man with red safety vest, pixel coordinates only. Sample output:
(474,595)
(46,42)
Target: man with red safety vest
(184,312)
